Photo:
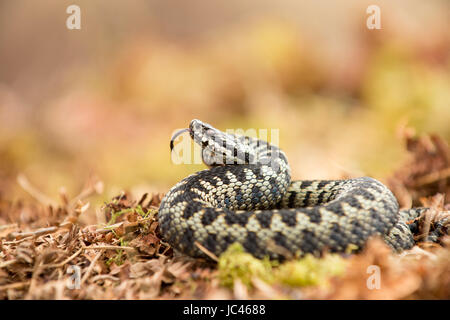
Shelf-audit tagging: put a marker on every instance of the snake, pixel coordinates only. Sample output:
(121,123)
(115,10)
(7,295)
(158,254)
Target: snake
(246,196)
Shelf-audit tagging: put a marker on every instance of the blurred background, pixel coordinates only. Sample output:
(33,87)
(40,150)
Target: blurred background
(103,101)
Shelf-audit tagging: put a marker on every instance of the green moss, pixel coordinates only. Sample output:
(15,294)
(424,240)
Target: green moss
(309,270)
(115,215)
(235,263)
(118,258)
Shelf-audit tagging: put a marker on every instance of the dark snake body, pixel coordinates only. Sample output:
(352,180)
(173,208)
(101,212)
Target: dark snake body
(251,200)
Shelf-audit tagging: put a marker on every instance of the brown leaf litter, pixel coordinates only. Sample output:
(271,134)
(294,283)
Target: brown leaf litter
(47,253)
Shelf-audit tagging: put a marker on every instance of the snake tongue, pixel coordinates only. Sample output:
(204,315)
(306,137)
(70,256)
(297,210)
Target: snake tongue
(176,135)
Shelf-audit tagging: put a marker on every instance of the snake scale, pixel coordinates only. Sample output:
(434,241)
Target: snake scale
(247,196)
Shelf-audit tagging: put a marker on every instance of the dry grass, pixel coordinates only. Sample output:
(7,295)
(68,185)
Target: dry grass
(42,241)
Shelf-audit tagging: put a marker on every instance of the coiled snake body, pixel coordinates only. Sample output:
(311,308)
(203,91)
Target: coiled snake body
(247,196)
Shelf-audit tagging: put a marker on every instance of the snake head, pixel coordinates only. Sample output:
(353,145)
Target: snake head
(220,148)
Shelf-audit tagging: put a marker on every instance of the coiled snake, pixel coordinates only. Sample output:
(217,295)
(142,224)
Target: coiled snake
(247,196)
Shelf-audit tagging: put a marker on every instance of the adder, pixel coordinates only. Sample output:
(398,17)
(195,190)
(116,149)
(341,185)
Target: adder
(247,196)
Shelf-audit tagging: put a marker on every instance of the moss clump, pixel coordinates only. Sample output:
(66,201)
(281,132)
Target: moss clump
(235,263)
(309,271)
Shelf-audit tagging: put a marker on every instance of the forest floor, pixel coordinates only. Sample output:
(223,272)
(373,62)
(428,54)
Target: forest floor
(47,253)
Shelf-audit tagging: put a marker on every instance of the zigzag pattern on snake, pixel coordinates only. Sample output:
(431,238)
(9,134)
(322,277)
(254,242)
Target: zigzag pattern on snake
(247,196)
